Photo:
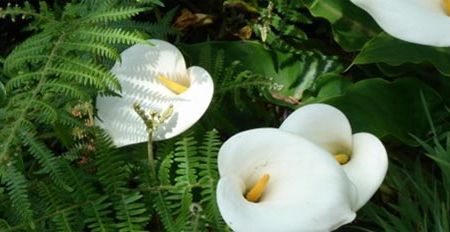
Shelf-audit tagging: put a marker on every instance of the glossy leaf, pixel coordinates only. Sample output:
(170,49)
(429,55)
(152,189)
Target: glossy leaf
(387,49)
(352,27)
(391,109)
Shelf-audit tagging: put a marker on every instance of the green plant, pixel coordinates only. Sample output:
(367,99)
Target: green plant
(418,191)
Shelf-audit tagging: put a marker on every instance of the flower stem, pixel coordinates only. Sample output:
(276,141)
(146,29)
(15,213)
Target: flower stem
(151,159)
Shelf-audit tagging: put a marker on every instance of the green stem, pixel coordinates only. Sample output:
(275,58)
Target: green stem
(151,159)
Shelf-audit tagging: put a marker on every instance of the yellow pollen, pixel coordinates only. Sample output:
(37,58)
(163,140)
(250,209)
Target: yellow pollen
(446,5)
(342,158)
(257,190)
(172,85)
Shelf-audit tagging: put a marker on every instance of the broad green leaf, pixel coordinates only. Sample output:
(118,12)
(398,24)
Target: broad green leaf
(252,55)
(352,27)
(327,86)
(298,73)
(387,49)
(389,109)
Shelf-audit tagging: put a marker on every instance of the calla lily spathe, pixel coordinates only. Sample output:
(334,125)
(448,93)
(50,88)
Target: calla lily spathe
(424,22)
(140,71)
(308,189)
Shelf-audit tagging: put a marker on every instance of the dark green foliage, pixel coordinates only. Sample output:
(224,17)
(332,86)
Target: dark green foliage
(58,172)
(418,192)
(16,185)
(279,25)
(188,203)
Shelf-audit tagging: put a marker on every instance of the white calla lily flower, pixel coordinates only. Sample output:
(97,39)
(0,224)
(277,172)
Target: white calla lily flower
(156,77)
(424,22)
(288,179)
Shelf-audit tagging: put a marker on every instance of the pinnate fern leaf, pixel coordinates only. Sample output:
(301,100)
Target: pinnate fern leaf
(16,185)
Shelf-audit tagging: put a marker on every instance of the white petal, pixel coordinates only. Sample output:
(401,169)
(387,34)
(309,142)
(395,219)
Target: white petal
(367,166)
(190,105)
(307,189)
(138,72)
(416,21)
(322,124)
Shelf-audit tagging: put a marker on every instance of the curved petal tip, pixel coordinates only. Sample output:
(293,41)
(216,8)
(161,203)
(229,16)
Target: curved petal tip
(367,167)
(322,124)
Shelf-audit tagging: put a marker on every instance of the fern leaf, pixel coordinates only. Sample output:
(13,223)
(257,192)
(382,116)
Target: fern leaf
(209,177)
(164,169)
(24,11)
(187,161)
(155,30)
(4,226)
(64,89)
(110,167)
(98,49)
(109,35)
(16,63)
(131,213)
(88,67)
(16,185)
(65,220)
(32,48)
(114,14)
(50,164)
(164,212)
(219,64)
(22,79)
(184,203)
(97,215)
(48,113)
(76,152)
(96,208)
(83,78)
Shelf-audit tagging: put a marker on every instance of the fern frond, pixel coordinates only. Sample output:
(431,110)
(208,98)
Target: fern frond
(115,14)
(50,164)
(29,51)
(64,64)
(184,203)
(187,161)
(155,30)
(22,79)
(131,213)
(209,177)
(169,16)
(4,225)
(76,152)
(164,169)
(84,78)
(65,220)
(165,212)
(64,89)
(109,35)
(98,49)
(110,166)
(89,67)
(24,11)
(219,64)
(173,208)
(16,185)
(18,62)
(48,113)
(97,215)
